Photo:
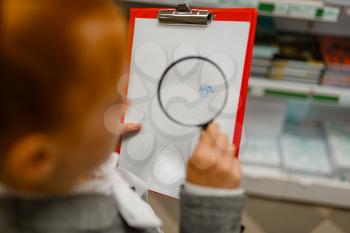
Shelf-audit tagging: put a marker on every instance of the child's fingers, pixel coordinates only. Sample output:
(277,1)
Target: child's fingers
(228,168)
(221,144)
(204,156)
(208,136)
(131,127)
(230,150)
(237,172)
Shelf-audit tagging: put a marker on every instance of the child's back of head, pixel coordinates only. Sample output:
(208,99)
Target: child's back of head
(60,64)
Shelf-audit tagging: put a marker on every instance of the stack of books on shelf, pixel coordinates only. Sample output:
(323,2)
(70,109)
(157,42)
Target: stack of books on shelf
(336,54)
(302,58)
(298,59)
(265,47)
(262,59)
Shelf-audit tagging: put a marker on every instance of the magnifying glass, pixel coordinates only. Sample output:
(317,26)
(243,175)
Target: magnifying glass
(193,91)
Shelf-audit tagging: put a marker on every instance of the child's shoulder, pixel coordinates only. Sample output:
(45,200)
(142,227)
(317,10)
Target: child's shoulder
(79,213)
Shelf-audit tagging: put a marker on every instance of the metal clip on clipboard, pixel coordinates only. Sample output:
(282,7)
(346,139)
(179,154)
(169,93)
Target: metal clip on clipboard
(184,15)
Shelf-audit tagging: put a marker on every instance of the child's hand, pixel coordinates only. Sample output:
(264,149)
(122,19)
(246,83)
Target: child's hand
(213,163)
(131,128)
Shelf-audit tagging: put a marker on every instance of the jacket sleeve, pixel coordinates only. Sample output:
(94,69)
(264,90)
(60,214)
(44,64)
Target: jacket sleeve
(208,214)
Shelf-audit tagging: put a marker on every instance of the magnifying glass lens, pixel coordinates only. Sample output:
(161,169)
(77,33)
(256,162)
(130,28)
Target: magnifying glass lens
(193,91)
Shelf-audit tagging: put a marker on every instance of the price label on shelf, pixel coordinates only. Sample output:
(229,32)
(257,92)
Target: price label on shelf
(245,3)
(281,8)
(344,100)
(302,11)
(330,14)
(258,91)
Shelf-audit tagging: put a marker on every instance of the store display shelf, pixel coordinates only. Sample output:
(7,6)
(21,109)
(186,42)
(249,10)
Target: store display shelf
(261,86)
(302,9)
(276,183)
(338,2)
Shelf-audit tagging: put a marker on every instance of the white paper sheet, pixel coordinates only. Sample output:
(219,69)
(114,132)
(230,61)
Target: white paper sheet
(159,154)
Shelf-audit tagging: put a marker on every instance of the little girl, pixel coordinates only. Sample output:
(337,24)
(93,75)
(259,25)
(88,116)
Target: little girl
(61,60)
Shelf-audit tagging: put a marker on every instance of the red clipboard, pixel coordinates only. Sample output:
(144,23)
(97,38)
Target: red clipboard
(229,14)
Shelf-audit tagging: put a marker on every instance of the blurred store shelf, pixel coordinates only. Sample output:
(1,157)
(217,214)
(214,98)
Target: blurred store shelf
(295,149)
(262,86)
(338,2)
(302,9)
(281,184)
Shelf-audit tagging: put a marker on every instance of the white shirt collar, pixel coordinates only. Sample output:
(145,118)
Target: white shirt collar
(118,182)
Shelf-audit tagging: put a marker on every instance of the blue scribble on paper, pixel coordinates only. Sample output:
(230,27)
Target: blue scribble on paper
(205,90)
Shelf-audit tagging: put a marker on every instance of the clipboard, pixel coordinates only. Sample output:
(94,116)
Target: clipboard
(159,152)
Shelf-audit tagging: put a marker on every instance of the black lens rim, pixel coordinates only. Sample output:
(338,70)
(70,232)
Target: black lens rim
(205,124)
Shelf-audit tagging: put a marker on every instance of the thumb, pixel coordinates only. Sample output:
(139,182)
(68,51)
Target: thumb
(130,128)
